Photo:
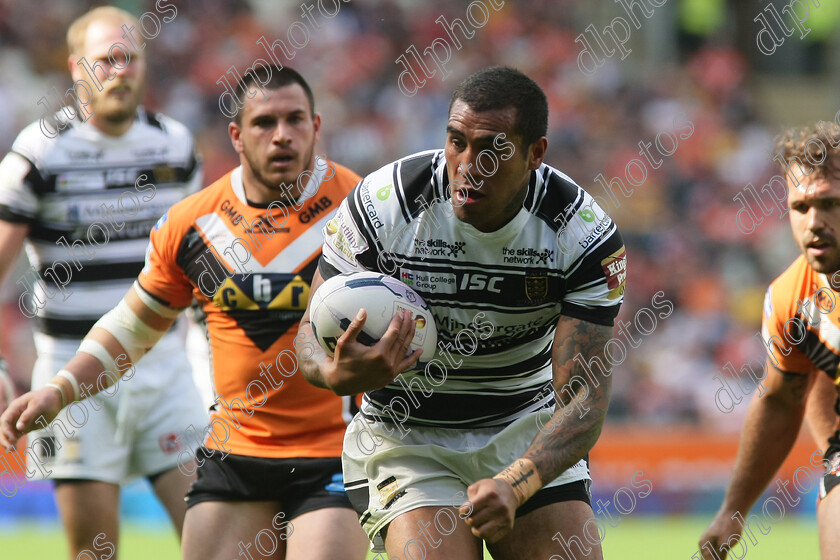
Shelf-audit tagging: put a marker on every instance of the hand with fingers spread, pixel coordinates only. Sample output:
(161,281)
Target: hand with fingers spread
(22,413)
(357,368)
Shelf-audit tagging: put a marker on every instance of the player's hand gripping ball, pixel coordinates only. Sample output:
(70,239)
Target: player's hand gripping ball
(338,300)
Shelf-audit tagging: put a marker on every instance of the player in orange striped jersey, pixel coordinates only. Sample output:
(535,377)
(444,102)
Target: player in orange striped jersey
(801,332)
(246,247)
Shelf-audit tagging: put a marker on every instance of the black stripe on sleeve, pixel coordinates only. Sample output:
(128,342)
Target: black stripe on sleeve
(416,181)
(8,214)
(100,272)
(598,315)
(400,195)
(326,269)
(35,180)
(64,328)
(192,255)
(154,120)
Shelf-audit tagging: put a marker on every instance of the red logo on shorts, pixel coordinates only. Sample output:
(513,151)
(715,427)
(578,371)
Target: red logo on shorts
(169,443)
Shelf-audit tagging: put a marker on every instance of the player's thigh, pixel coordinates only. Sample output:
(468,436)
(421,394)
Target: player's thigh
(224,530)
(327,534)
(828,520)
(563,529)
(431,533)
(171,488)
(89,512)
(166,421)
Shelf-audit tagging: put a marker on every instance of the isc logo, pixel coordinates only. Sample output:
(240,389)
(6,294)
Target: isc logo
(480,282)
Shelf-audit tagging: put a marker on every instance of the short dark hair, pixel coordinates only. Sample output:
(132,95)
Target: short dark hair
(279,76)
(500,87)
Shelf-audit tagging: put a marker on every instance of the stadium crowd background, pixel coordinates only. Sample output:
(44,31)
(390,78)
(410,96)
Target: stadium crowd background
(679,225)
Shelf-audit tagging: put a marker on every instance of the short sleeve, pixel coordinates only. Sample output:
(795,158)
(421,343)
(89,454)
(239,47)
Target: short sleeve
(779,326)
(596,270)
(344,244)
(162,277)
(18,201)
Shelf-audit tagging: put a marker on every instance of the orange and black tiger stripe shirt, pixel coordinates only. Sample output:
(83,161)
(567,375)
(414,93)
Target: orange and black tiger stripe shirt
(250,269)
(801,327)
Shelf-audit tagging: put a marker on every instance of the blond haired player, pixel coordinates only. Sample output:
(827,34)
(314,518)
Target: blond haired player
(84,194)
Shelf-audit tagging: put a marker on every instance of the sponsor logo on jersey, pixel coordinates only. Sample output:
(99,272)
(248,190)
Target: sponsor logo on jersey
(84,155)
(438,248)
(384,193)
(419,321)
(527,255)
(439,282)
(274,291)
(370,209)
(481,282)
(595,234)
(588,215)
(122,176)
(308,213)
(151,152)
(615,269)
(80,181)
(345,238)
(228,212)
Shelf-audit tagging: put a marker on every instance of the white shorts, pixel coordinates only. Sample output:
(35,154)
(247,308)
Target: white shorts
(131,434)
(386,476)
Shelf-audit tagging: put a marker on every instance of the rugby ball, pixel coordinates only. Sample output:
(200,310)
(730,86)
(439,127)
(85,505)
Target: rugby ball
(337,301)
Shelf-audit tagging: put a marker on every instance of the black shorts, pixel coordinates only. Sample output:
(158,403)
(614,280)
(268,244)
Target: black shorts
(299,485)
(577,490)
(831,478)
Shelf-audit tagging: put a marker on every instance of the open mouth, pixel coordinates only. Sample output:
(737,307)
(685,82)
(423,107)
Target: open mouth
(818,246)
(468,196)
(282,159)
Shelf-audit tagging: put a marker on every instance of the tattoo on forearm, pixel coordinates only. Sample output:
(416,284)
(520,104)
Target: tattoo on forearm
(578,354)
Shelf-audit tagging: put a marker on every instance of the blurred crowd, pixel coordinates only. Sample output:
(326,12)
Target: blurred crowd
(679,226)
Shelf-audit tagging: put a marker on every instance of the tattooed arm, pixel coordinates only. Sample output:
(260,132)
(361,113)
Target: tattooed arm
(772,425)
(584,392)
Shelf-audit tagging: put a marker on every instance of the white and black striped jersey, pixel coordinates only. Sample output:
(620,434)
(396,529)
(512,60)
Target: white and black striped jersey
(496,297)
(90,201)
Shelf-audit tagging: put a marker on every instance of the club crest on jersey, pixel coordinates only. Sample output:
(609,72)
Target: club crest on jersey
(536,288)
(165,173)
